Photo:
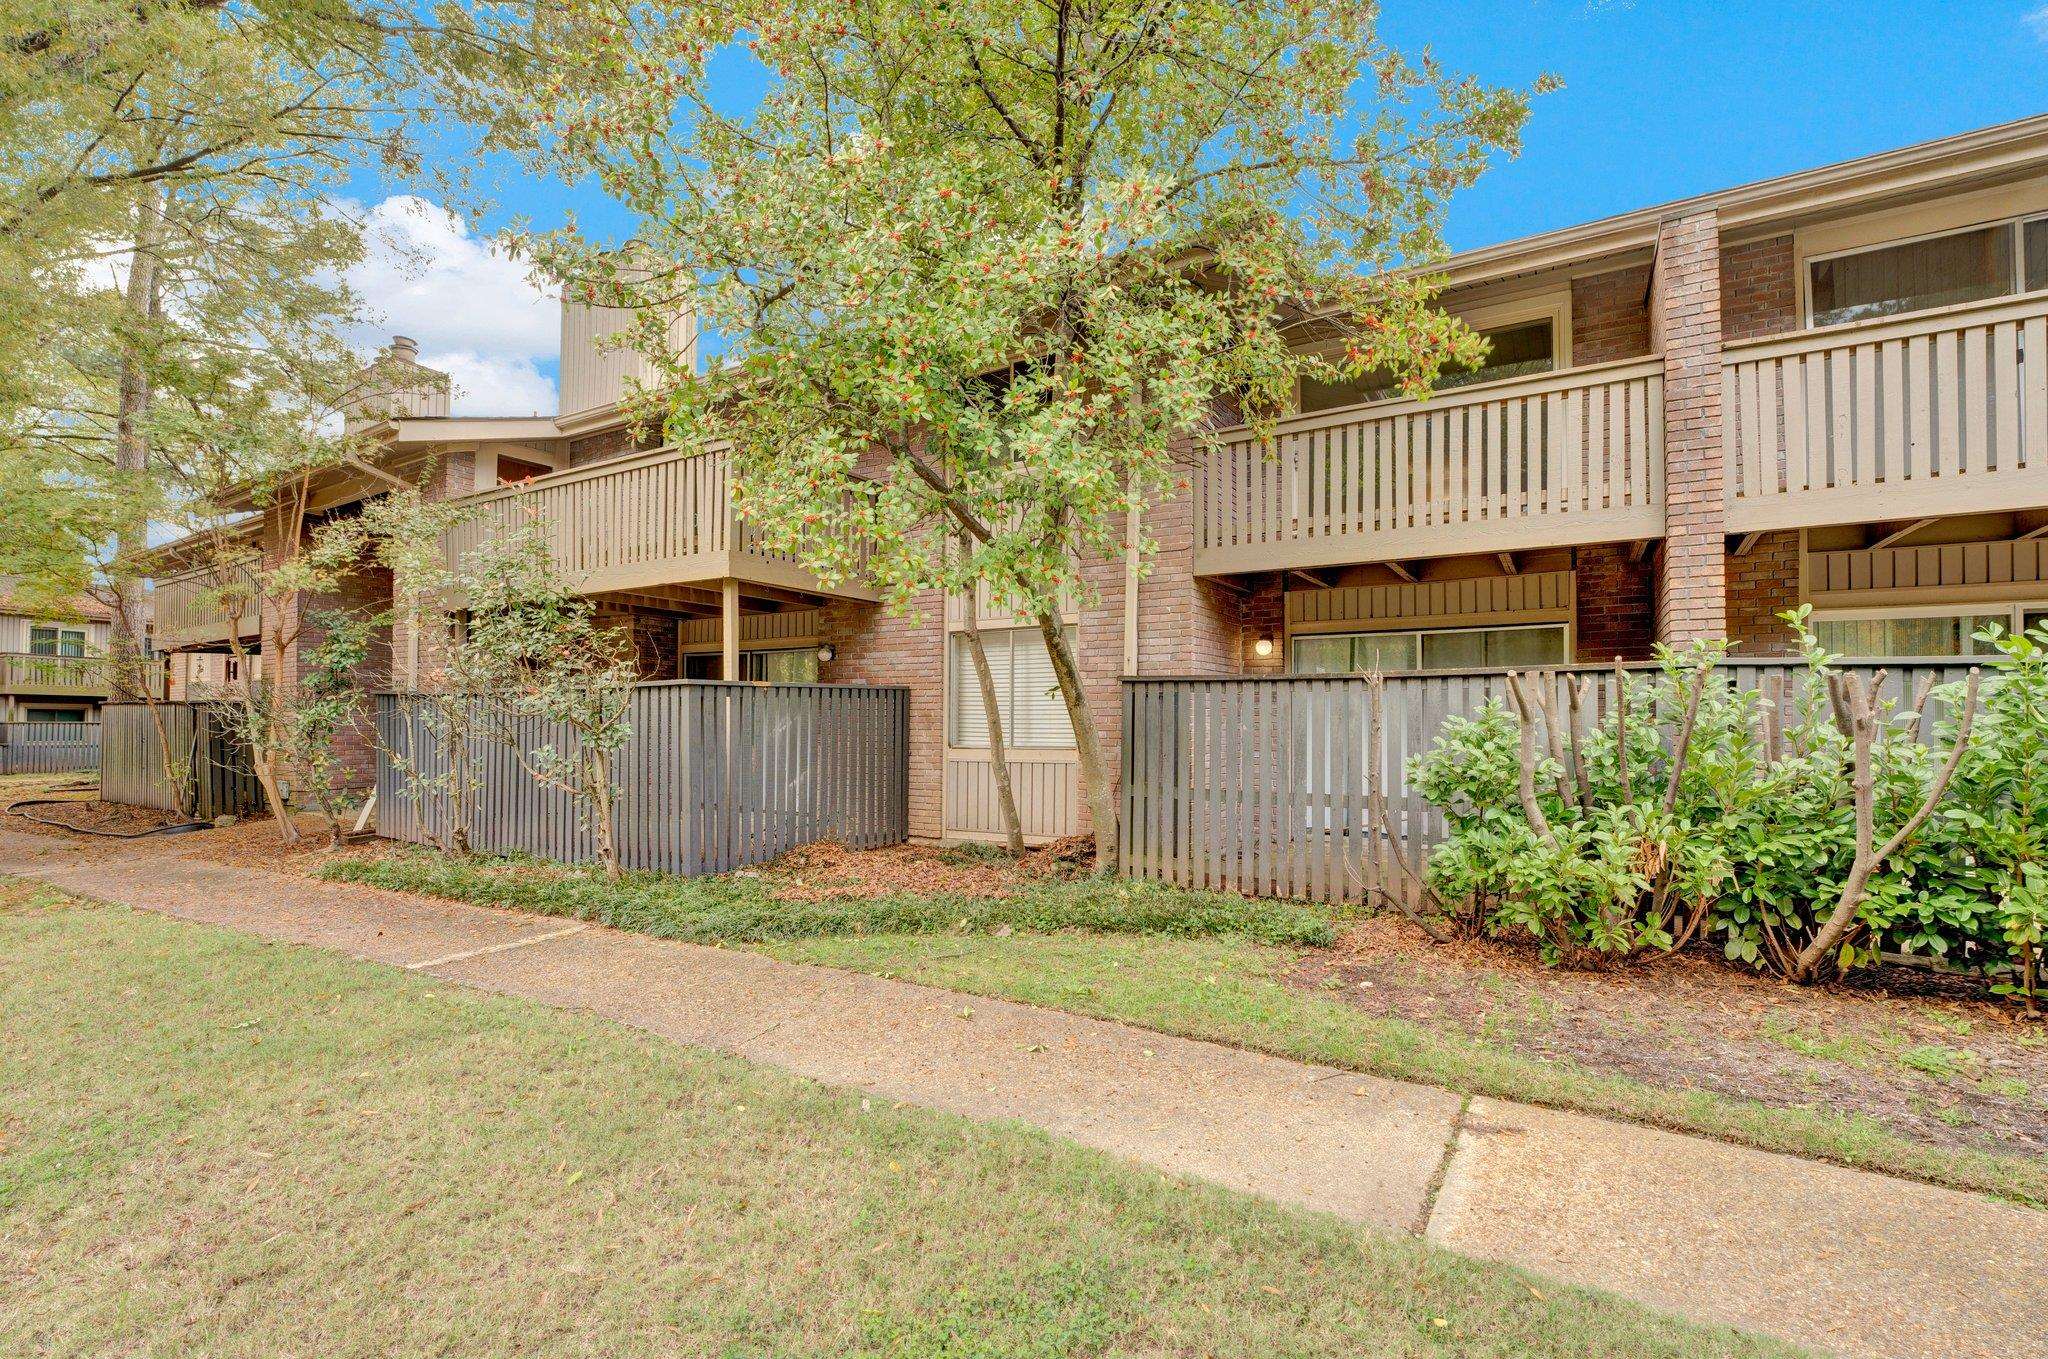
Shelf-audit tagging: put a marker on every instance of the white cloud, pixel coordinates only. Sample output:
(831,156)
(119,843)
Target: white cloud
(470,305)
(491,385)
(2036,21)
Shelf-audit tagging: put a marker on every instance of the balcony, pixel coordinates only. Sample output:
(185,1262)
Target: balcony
(1544,461)
(191,610)
(52,676)
(651,519)
(1941,413)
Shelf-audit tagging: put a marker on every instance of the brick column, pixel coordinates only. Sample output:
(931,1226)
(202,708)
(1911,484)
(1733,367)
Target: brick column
(1686,319)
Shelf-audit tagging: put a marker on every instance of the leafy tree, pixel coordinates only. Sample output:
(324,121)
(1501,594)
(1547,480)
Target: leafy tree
(537,652)
(985,266)
(170,231)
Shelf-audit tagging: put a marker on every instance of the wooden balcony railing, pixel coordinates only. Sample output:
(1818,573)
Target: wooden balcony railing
(198,607)
(1558,458)
(52,676)
(658,518)
(1941,413)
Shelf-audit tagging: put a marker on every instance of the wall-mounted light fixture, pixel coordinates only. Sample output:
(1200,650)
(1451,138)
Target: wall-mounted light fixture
(826,652)
(1263,648)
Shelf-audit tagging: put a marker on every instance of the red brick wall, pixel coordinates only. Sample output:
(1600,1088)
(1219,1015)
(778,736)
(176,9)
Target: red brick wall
(1611,316)
(1617,605)
(1186,625)
(609,443)
(1762,583)
(1265,615)
(1759,289)
(652,635)
(1692,598)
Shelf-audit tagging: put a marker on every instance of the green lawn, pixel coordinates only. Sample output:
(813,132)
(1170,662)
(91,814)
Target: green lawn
(1194,963)
(210,1146)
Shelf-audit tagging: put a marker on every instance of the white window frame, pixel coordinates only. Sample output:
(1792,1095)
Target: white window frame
(1560,626)
(2016,223)
(2014,611)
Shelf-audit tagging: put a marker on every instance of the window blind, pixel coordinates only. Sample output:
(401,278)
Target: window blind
(1027,692)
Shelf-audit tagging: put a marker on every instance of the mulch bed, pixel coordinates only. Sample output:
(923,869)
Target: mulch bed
(827,871)
(90,814)
(1691,1022)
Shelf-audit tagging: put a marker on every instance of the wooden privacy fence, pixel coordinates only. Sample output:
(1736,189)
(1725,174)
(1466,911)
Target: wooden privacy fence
(1262,786)
(714,777)
(219,779)
(48,747)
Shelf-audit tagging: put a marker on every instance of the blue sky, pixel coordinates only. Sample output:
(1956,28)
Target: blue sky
(1662,99)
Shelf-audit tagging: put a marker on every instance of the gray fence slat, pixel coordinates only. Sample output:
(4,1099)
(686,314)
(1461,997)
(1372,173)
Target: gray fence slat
(714,777)
(222,781)
(1263,785)
(49,747)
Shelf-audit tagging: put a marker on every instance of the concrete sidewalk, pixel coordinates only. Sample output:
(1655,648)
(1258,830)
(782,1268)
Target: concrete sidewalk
(1832,1258)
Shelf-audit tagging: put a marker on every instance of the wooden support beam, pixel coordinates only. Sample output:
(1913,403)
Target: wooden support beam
(2033,533)
(1639,549)
(1894,538)
(1315,581)
(729,630)
(1747,544)
(1400,569)
(1508,563)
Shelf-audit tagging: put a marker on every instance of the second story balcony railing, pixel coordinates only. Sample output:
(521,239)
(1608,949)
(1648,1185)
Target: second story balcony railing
(37,675)
(194,609)
(658,518)
(1559,458)
(1945,412)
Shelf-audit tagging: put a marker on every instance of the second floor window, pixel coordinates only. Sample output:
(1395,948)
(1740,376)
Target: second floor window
(1934,271)
(50,640)
(1515,350)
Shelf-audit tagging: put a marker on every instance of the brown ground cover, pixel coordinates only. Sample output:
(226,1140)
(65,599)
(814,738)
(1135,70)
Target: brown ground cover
(1931,1056)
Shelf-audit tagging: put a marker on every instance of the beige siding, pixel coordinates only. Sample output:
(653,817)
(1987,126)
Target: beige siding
(1543,596)
(1952,571)
(596,374)
(1047,784)
(758,631)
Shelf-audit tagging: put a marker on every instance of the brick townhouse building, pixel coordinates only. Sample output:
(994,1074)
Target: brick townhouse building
(1827,388)
(51,660)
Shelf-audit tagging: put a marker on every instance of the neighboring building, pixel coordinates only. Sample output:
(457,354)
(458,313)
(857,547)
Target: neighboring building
(50,662)
(1828,388)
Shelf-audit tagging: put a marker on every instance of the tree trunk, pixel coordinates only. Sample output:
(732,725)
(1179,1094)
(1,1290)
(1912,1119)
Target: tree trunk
(140,297)
(999,760)
(1095,776)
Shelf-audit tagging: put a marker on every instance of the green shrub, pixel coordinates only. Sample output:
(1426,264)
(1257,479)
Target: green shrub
(1756,839)
(743,908)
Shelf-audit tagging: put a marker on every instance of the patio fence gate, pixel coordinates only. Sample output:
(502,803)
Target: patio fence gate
(49,747)
(219,779)
(714,777)
(1263,786)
